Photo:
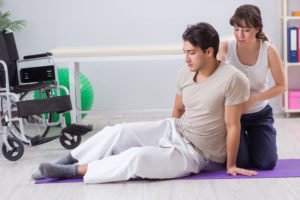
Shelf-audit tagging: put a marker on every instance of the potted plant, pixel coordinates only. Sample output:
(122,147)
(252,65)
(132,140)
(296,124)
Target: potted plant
(6,22)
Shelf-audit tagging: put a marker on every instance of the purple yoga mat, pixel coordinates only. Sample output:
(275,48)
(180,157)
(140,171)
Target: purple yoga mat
(285,168)
(55,180)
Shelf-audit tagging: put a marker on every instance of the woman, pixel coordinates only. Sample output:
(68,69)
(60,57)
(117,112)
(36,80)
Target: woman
(255,56)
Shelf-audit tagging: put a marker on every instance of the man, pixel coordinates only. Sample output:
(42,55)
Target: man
(205,126)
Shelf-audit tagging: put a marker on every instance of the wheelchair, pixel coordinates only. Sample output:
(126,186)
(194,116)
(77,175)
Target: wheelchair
(31,101)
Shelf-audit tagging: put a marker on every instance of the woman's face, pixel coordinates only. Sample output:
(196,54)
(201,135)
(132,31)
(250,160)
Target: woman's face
(244,34)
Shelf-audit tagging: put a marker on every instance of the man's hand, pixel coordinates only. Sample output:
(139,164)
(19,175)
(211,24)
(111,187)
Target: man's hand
(236,170)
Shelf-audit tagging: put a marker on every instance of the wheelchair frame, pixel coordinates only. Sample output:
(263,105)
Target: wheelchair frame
(13,144)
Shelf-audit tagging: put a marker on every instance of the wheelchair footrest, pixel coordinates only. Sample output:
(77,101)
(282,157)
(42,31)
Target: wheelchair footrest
(78,129)
(37,140)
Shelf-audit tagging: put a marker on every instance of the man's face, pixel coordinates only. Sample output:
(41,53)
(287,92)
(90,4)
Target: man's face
(195,58)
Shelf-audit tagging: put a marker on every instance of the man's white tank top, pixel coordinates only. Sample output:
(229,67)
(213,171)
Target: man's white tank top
(257,74)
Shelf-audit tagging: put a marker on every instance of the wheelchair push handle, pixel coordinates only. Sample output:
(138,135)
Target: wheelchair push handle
(41,55)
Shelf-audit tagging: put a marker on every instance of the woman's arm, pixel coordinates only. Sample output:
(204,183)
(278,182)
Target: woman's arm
(223,49)
(278,77)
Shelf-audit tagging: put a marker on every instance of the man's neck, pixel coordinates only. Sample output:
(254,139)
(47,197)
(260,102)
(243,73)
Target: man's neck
(203,74)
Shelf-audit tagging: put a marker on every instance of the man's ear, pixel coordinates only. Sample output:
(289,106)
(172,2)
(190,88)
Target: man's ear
(210,51)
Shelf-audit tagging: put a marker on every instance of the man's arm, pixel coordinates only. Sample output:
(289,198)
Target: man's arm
(233,127)
(178,109)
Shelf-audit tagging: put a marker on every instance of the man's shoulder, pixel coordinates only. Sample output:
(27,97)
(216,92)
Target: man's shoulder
(229,68)
(231,72)
(237,86)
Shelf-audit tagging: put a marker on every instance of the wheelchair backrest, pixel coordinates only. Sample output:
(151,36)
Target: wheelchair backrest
(9,54)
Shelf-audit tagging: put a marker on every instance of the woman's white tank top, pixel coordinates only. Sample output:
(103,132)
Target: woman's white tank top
(257,74)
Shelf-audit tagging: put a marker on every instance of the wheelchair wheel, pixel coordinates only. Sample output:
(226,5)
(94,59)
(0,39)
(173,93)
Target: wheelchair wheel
(69,141)
(17,149)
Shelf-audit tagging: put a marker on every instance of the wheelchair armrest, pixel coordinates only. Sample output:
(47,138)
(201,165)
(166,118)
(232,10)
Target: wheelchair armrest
(41,55)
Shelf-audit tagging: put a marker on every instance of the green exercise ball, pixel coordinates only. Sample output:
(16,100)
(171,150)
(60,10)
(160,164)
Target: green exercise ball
(86,91)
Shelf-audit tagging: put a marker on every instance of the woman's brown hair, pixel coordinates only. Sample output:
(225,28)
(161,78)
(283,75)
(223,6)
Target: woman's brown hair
(251,16)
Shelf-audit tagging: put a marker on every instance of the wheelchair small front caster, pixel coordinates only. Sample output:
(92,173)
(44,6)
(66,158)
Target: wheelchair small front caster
(17,150)
(69,141)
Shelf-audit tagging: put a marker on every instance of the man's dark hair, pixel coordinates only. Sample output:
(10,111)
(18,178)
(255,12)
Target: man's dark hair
(202,35)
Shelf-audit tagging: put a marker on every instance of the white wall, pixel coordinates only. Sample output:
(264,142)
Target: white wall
(122,86)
